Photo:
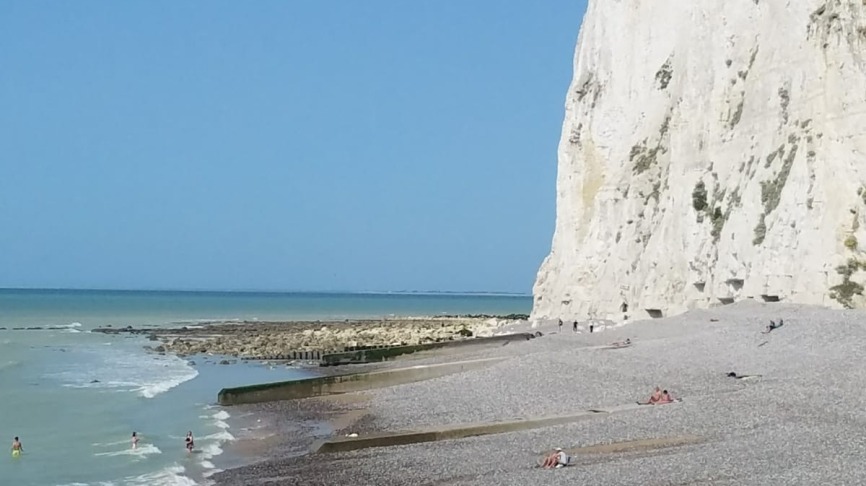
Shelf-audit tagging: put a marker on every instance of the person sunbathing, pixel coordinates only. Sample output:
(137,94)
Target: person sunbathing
(556,459)
(665,398)
(654,398)
(620,344)
(773,326)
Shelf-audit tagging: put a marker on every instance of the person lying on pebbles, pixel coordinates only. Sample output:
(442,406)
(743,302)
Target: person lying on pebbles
(666,398)
(654,398)
(773,326)
(620,344)
(737,376)
(659,397)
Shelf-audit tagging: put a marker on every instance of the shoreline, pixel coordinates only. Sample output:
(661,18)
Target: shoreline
(333,415)
(293,429)
(300,423)
(218,426)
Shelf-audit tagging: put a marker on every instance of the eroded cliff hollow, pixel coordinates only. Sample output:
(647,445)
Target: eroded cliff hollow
(712,151)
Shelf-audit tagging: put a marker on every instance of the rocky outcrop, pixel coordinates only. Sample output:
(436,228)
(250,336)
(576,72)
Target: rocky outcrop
(254,339)
(711,152)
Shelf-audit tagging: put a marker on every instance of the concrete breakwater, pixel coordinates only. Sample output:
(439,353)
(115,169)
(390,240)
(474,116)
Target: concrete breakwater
(273,339)
(353,382)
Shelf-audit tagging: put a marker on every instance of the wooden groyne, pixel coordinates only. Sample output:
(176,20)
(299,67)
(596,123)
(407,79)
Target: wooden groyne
(377,354)
(374,354)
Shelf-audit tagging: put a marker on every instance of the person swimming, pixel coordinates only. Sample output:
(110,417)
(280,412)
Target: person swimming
(134,440)
(190,442)
(17,448)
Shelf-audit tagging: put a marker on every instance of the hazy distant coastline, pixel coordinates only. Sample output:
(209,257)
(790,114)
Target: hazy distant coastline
(267,292)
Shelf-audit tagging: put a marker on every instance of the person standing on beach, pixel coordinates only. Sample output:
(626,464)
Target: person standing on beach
(574,327)
(17,448)
(134,441)
(560,325)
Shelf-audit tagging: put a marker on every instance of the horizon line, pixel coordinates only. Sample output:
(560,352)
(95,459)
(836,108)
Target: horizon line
(254,291)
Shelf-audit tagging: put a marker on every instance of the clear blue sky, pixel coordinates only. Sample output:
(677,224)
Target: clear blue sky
(280,145)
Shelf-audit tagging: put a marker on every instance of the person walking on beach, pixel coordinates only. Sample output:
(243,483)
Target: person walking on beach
(17,448)
(190,442)
(574,327)
(560,325)
(134,441)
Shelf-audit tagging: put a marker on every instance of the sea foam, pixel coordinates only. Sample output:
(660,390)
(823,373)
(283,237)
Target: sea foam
(221,415)
(141,450)
(71,327)
(125,370)
(170,476)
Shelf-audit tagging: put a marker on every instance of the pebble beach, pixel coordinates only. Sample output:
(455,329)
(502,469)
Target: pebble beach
(797,421)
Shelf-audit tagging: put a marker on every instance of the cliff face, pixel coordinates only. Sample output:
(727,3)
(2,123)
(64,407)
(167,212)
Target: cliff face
(711,152)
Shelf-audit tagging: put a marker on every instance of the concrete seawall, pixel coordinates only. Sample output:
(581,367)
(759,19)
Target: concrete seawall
(331,385)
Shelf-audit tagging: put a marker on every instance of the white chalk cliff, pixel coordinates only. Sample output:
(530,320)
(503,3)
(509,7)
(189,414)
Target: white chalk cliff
(712,151)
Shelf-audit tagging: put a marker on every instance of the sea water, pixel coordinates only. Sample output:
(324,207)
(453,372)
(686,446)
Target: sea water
(75,397)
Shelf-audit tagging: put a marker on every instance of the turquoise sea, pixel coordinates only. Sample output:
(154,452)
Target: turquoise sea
(75,397)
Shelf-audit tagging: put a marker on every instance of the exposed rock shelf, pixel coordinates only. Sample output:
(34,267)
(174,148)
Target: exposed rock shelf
(254,339)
